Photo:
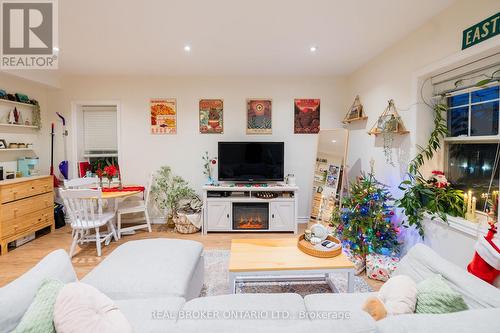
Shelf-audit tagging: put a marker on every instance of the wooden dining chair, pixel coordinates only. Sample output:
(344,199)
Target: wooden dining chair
(84,207)
(135,206)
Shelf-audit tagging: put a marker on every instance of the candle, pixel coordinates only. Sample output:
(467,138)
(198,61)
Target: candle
(465,203)
(474,201)
(469,202)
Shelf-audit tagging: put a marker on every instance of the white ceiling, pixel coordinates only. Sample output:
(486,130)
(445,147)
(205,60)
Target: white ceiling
(232,37)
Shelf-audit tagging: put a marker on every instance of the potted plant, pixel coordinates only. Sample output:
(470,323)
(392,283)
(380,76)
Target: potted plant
(429,196)
(173,195)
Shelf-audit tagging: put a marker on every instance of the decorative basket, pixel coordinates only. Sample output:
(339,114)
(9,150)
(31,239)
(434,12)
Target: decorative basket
(183,225)
(319,251)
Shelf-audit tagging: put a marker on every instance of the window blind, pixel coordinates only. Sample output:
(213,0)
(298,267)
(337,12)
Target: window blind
(100,129)
(465,77)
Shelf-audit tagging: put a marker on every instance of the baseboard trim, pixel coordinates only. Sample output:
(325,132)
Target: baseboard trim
(161,220)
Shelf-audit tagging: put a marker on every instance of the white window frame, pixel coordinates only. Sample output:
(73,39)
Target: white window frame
(76,108)
(421,116)
(479,138)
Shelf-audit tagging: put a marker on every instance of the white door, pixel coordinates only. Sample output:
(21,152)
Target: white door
(219,216)
(282,216)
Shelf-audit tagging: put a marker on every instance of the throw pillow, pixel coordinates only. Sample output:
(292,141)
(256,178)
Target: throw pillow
(82,308)
(434,295)
(38,317)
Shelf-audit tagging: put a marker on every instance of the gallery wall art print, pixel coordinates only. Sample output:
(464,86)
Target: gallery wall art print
(307,115)
(163,115)
(259,116)
(211,116)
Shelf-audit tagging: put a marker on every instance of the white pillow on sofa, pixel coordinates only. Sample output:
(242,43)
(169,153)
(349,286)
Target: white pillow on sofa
(82,308)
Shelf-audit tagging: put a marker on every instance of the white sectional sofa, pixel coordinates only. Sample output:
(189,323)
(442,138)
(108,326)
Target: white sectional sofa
(156,284)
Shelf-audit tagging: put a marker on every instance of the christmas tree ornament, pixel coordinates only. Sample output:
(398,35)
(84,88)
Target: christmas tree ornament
(365,222)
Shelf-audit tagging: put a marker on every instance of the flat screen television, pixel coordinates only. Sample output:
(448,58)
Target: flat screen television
(251,161)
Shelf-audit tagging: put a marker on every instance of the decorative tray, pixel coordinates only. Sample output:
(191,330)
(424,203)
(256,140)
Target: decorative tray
(319,250)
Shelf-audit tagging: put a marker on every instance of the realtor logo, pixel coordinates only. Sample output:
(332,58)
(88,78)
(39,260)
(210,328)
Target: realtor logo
(29,34)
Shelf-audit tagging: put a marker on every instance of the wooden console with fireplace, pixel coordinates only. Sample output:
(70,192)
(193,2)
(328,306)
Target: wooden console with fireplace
(252,196)
(239,208)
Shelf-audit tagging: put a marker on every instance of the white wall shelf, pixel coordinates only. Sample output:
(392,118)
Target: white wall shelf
(18,126)
(15,149)
(6,101)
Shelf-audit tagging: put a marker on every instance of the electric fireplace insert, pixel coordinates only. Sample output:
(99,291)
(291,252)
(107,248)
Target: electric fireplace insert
(250,216)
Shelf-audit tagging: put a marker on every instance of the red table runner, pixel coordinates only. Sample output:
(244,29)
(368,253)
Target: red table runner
(123,189)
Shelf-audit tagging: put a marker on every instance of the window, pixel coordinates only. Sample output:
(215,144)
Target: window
(96,135)
(474,113)
(473,142)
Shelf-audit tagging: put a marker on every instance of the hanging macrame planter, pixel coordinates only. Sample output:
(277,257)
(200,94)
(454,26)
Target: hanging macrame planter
(388,124)
(355,112)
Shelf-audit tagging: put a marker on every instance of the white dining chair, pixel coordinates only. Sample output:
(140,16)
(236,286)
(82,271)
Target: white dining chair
(84,207)
(85,182)
(135,206)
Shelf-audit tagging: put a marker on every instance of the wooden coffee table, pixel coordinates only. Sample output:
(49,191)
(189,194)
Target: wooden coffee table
(280,260)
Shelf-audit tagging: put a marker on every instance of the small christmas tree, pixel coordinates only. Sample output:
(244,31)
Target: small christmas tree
(364,223)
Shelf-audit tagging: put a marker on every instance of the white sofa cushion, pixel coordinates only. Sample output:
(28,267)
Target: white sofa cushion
(148,268)
(421,262)
(81,308)
(16,297)
(339,312)
(483,320)
(242,313)
(152,315)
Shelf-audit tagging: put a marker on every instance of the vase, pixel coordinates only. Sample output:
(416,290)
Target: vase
(100,182)
(109,183)
(210,180)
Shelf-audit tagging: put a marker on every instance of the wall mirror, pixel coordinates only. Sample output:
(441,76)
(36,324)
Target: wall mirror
(329,173)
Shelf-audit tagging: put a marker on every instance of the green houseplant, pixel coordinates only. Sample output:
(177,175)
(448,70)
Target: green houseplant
(419,196)
(172,194)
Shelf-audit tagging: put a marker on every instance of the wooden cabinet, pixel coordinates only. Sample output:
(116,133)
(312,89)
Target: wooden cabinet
(26,205)
(282,215)
(219,216)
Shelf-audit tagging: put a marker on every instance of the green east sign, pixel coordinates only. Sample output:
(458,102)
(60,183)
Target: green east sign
(482,31)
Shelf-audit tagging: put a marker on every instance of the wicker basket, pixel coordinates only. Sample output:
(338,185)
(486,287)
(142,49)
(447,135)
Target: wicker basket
(311,250)
(183,225)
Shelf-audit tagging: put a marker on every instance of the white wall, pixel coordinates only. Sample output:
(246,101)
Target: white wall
(40,138)
(142,152)
(397,74)
(391,75)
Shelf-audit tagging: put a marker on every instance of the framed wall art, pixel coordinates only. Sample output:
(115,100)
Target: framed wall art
(306,115)
(163,115)
(259,116)
(211,116)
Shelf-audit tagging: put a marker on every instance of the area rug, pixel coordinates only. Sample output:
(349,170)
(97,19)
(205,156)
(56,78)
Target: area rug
(217,280)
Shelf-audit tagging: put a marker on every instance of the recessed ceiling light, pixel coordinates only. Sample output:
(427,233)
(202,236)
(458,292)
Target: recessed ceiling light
(55,49)
(313,49)
(187,48)
(334,141)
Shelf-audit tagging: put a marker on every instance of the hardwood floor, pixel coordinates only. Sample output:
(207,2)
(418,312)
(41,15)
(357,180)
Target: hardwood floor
(20,260)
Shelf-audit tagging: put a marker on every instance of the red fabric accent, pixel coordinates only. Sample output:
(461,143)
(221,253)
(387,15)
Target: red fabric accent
(124,189)
(82,168)
(479,267)
(482,270)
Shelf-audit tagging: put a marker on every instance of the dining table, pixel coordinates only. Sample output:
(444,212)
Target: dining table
(113,196)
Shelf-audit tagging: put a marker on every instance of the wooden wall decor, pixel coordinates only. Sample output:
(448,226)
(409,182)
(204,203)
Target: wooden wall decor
(355,112)
(389,122)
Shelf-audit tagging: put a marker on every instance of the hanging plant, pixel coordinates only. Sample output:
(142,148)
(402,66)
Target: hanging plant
(420,196)
(389,124)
